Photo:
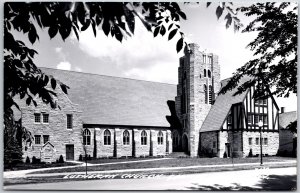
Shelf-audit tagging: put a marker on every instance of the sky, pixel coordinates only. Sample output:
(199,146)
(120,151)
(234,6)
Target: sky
(147,58)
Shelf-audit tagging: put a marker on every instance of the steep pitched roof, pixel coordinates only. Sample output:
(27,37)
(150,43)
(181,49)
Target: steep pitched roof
(221,107)
(117,101)
(286,118)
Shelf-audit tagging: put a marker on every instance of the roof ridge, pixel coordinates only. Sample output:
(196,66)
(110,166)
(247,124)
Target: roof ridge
(107,76)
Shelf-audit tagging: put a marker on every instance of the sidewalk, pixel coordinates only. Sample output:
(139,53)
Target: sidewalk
(169,169)
(23,173)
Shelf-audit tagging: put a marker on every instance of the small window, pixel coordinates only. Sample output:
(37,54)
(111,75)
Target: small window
(208,73)
(46,138)
(86,137)
(37,117)
(214,144)
(229,118)
(265,119)
(265,141)
(204,59)
(210,61)
(256,119)
(125,137)
(204,72)
(107,137)
(45,118)
(160,138)
(144,138)
(265,101)
(37,139)
(250,140)
(69,121)
(249,119)
(257,141)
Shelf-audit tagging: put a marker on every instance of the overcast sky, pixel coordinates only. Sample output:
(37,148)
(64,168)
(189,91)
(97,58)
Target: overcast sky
(145,57)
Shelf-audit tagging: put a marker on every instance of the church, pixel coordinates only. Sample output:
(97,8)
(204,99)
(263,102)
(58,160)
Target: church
(105,116)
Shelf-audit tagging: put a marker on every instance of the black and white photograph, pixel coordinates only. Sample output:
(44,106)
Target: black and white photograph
(193,96)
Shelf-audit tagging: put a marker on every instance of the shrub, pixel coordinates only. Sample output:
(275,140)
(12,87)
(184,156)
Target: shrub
(27,160)
(80,157)
(61,159)
(89,157)
(34,160)
(250,153)
(225,155)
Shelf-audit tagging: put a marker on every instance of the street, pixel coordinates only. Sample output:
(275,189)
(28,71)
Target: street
(263,179)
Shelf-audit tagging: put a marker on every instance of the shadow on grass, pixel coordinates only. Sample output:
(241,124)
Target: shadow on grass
(273,182)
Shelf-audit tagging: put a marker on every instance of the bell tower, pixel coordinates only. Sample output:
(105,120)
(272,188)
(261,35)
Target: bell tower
(198,85)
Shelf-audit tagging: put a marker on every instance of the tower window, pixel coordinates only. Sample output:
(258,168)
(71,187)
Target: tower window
(69,121)
(205,93)
(204,59)
(210,59)
(210,94)
(209,74)
(204,72)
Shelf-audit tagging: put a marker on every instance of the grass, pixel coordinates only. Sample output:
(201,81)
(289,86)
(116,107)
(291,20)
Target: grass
(25,166)
(174,162)
(112,160)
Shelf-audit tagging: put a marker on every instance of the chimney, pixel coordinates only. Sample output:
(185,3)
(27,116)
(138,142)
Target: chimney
(282,109)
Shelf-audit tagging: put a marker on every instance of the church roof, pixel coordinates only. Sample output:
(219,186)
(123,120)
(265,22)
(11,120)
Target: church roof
(221,107)
(286,118)
(111,100)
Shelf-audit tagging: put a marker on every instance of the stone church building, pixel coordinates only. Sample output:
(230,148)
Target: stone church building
(106,116)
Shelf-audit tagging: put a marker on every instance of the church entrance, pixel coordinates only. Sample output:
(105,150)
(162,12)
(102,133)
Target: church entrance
(185,145)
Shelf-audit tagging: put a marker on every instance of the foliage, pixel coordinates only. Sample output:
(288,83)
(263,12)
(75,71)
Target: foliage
(27,161)
(250,153)
(80,157)
(275,48)
(225,155)
(292,127)
(12,153)
(61,159)
(34,160)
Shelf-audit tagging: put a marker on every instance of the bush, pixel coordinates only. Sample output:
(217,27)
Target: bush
(80,157)
(250,153)
(34,160)
(225,155)
(61,159)
(12,153)
(27,160)
(89,157)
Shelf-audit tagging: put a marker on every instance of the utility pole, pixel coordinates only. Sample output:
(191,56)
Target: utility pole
(260,124)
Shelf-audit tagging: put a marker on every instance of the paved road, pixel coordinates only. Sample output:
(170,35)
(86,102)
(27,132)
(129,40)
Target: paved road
(265,179)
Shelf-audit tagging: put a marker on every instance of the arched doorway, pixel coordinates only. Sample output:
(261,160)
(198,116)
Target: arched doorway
(185,144)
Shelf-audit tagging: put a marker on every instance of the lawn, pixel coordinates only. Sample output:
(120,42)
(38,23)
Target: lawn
(26,166)
(174,162)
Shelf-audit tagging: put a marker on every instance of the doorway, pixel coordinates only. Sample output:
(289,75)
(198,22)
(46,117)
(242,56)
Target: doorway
(70,152)
(185,145)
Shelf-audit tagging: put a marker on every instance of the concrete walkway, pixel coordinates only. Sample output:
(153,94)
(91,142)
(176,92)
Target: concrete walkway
(266,164)
(23,173)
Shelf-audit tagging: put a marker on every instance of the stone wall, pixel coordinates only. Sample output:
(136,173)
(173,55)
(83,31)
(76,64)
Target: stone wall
(286,139)
(207,142)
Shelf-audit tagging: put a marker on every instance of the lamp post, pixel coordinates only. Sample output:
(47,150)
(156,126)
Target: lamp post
(260,124)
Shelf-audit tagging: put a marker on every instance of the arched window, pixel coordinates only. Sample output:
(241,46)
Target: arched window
(144,138)
(107,137)
(86,137)
(210,94)
(208,73)
(160,138)
(204,72)
(205,93)
(125,137)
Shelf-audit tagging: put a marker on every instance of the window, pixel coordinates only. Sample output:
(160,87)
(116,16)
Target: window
(37,117)
(45,118)
(46,138)
(250,140)
(204,59)
(265,119)
(205,93)
(160,138)
(210,94)
(209,74)
(265,101)
(256,119)
(229,118)
(249,119)
(257,141)
(69,121)
(144,138)
(214,144)
(265,141)
(204,72)
(210,61)
(37,139)
(126,137)
(86,137)
(107,137)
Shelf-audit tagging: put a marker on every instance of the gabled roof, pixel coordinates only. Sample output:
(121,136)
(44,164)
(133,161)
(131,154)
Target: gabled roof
(111,100)
(221,107)
(286,118)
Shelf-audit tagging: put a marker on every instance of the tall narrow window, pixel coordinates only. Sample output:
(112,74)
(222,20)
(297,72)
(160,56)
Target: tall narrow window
(257,141)
(160,138)
(45,118)
(255,119)
(229,118)
(250,140)
(69,121)
(107,137)
(37,117)
(204,72)
(265,141)
(86,137)
(204,59)
(250,119)
(205,93)
(210,59)
(210,94)
(208,73)
(37,139)
(144,138)
(46,138)
(265,119)
(126,137)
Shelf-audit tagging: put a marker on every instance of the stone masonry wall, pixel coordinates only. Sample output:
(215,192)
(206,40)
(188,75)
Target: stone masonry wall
(286,141)
(206,143)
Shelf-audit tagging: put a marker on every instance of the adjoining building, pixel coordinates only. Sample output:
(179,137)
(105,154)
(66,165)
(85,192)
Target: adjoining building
(106,116)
